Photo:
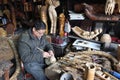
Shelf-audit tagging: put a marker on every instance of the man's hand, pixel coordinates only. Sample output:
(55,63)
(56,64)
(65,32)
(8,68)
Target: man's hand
(52,59)
(51,52)
(46,55)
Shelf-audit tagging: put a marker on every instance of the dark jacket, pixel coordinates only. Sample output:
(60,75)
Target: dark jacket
(27,47)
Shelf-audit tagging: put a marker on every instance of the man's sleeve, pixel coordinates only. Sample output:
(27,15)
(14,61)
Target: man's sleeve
(25,53)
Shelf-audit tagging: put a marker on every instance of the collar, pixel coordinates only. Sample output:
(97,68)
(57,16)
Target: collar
(31,34)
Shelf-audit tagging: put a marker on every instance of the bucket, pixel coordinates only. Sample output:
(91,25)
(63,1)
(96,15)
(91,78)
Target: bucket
(66,76)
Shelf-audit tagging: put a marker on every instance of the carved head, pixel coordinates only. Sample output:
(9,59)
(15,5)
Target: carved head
(56,3)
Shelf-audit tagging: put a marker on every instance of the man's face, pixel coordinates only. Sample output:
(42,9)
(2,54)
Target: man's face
(39,33)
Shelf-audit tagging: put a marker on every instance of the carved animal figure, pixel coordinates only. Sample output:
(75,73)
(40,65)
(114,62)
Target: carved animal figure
(86,34)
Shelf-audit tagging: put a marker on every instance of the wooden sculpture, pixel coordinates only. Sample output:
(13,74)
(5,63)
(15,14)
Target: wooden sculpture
(110,6)
(53,14)
(61,24)
(53,18)
(7,53)
(25,6)
(5,50)
(43,15)
(91,14)
(86,34)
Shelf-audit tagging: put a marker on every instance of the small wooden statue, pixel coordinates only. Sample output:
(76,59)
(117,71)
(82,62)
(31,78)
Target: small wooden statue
(53,14)
(110,6)
(61,24)
(43,15)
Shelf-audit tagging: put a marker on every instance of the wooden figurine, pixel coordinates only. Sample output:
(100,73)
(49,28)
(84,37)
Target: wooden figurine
(34,0)
(26,6)
(86,34)
(61,24)
(53,18)
(30,6)
(110,6)
(43,15)
(53,14)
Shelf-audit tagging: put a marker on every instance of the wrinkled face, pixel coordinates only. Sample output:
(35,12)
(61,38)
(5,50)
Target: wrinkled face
(38,33)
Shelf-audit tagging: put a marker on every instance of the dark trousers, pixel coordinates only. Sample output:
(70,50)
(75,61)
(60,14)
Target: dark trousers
(36,69)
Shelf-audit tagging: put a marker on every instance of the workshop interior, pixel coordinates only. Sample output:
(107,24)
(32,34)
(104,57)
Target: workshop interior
(85,36)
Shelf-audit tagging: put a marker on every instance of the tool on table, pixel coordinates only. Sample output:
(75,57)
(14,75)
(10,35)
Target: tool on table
(112,72)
